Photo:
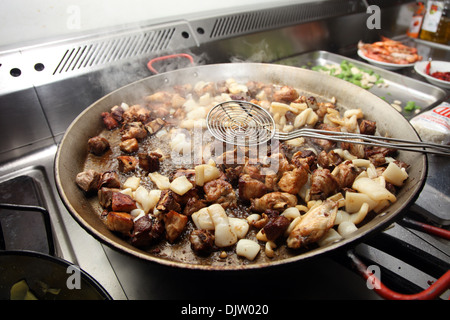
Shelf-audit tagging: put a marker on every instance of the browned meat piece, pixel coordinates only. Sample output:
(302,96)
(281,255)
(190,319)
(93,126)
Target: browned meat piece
(174,224)
(160,96)
(88,180)
(314,224)
(276,227)
(167,202)
(292,181)
(136,113)
(323,184)
(105,196)
(312,102)
(202,241)
(98,145)
(346,174)
(378,159)
(250,188)
(232,174)
(328,159)
(231,158)
(134,130)
(356,149)
(147,230)
(109,179)
(285,94)
(120,222)
(117,113)
(129,145)
(209,87)
(387,152)
(278,163)
(255,87)
(122,202)
(155,125)
(368,127)
(193,205)
(278,201)
(271,181)
(303,158)
(322,109)
(149,161)
(220,191)
(109,121)
(323,143)
(127,163)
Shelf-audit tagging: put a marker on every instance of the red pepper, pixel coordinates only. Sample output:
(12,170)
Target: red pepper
(428,67)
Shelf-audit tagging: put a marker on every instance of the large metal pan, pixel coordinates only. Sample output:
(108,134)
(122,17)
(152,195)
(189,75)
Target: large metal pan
(72,151)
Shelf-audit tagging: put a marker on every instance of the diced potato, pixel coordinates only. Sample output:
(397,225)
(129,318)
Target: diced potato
(373,189)
(280,108)
(132,183)
(146,199)
(202,220)
(247,248)
(200,175)
(128,192)
(223,234)
(162,182)
(181,185)
(211,173)
(239,226)
(395,175)
(291,213)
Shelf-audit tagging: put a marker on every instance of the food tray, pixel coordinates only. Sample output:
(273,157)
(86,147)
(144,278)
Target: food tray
(396,87)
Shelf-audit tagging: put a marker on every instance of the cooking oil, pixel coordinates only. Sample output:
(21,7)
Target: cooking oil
(436,24)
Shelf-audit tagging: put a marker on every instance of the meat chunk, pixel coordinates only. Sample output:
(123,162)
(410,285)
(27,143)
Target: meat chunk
(346,174)
(136,113)
(303,158)
(127,163)
(129,145)
(278,201)
(323,184)
(105,196)
(328,159)
(109,179)
(174,224)
(276,227)
(285,94)
(193,204)
(155,125)
(367,127)
(323,143)
(120,222)
(117,113)
(292,181)
(109,121)
(98,145)
(250,188)
(122,202)
(149,161)
(167,202)
(88,180)
(147,230)
(202,241)
(134,130)
(220,191)
(313,225)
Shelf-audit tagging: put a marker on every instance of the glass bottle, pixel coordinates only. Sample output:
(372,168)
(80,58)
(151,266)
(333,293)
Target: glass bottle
(416,21)
(436,24)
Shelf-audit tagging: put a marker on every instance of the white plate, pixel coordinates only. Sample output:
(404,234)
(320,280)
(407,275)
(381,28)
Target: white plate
(441,66)
(385,65)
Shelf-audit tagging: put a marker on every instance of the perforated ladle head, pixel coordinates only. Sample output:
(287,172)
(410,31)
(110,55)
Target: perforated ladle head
(240,123)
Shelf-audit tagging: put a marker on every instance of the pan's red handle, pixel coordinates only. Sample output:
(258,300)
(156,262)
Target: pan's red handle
(432,292)
(170,56)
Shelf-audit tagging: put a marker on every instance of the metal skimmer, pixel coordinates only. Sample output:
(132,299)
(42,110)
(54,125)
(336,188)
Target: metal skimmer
(247,124)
